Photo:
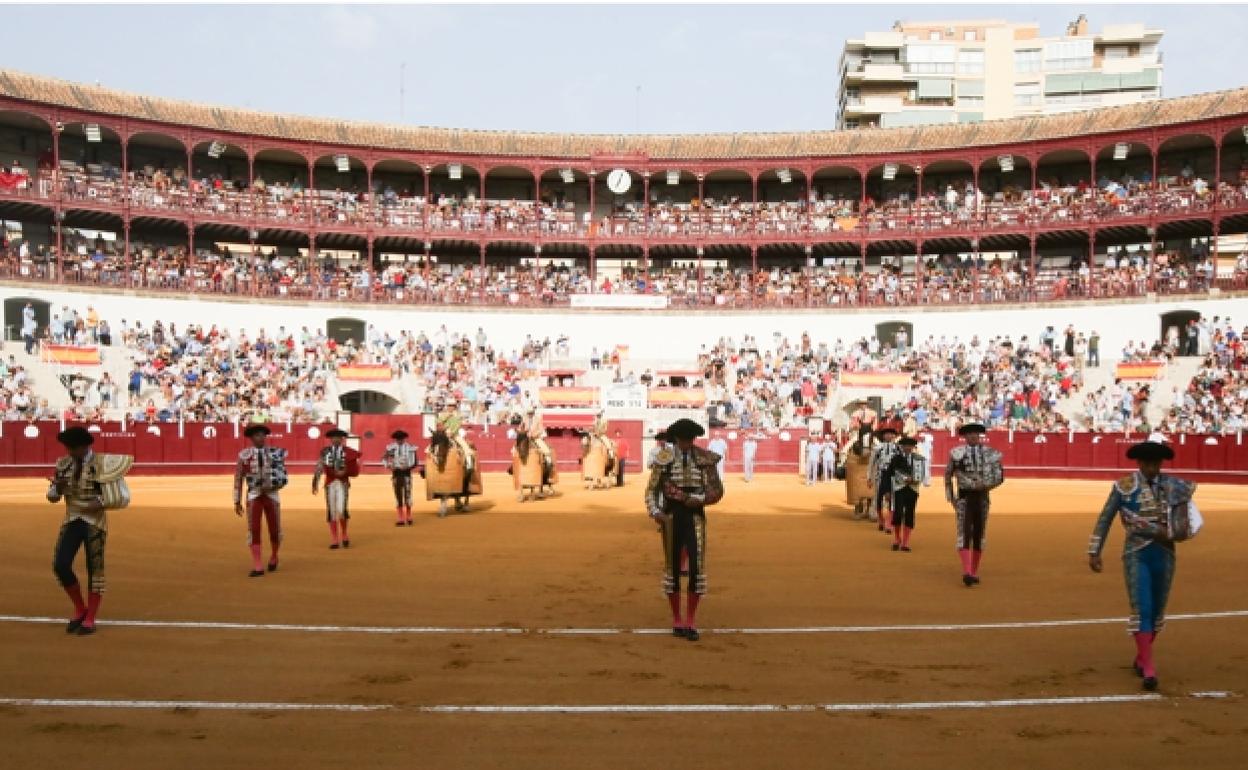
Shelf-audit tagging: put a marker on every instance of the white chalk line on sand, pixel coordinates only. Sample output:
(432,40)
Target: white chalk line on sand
(517,631)
(622,708)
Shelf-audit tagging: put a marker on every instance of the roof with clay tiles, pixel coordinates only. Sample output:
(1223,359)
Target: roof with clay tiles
(721,146)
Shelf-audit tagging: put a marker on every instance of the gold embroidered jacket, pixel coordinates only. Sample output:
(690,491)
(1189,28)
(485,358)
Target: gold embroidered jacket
(690,478)
(100,487)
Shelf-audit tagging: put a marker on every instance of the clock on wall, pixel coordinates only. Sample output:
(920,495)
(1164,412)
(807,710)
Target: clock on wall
(618,181)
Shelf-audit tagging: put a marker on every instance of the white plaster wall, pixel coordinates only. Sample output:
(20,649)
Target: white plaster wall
(651,335)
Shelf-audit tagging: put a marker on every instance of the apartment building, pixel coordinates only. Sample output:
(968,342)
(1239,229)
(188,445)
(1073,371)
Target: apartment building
(923,73)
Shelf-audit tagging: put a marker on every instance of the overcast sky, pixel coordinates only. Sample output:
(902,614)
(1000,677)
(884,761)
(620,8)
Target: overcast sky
(544,68)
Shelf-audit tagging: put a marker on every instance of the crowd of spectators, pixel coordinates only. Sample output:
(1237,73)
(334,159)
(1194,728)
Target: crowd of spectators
(1004,383)
(1025,384)
(210,373)
(196,372)
(1215,398)
(942,279)
(826,205)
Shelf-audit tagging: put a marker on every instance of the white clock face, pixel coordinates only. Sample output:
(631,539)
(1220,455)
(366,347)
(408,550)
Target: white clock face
(618,181)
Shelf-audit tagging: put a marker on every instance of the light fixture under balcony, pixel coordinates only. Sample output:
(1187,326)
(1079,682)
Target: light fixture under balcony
(343,163)
(455,171)
(567,175)
(1006,162)
(216,149)
(93,132)
(673,177)
(1121,150)
(785,175)
(890,172)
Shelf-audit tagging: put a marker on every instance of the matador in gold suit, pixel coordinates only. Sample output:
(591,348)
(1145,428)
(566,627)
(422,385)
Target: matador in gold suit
(683,481)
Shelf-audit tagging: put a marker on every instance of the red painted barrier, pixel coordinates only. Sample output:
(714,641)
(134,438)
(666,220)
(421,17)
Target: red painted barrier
(30,449)
(160,449)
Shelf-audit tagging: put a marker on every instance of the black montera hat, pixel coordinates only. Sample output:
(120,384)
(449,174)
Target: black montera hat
(336,433)
(1150,450)
(971,427)
(76,436)
(398,435)
(255,428)
(684,428)
(907,441)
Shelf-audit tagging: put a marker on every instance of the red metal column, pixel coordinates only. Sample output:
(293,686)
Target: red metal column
(809,270)
(645,203)
(593,215)
(1152,257)
(1217,254)
(975,270)
(1092,262)
(1031,267)
(425,267)
(918,196)
(481,185)
(1217,192)
(593,270)
(918,271)
(251,193)
(190,256)
(974,202)
(701,252)
(537,199)
(754,265)
(310,199)
(645,266)
(754,209)
(127,261)
(314,268)
(60,244)
(482,279)
(1217,167)
(1156,186)
(125,174)
(251,242)
(370,272)
(424,211)
(862,275)
(369,196)
(701,224)
(58,195)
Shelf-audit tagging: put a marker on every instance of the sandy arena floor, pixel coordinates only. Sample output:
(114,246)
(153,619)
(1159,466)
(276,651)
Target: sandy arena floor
(474,610)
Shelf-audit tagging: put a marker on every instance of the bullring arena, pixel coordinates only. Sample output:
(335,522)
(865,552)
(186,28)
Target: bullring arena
(165,311)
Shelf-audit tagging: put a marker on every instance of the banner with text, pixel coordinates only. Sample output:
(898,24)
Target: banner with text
(628,301)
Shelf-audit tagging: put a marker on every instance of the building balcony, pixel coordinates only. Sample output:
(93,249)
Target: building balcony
(875,72)
(873,105)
